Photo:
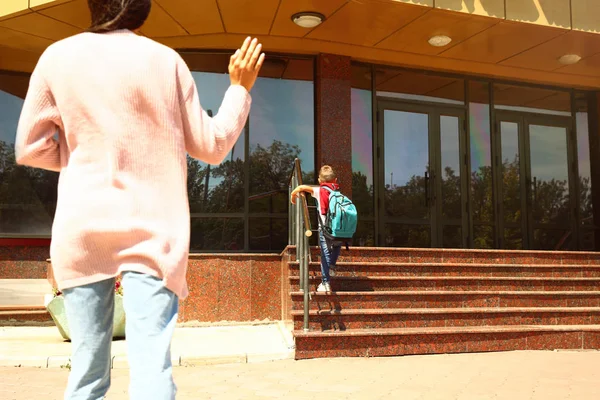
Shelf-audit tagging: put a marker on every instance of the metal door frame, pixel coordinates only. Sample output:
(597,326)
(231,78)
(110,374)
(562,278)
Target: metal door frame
(434,113)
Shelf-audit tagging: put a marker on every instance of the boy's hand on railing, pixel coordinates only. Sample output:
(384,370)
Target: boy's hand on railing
(298,190)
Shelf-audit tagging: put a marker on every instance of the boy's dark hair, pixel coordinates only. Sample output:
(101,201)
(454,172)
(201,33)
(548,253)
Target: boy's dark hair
(111,15)
(326,174)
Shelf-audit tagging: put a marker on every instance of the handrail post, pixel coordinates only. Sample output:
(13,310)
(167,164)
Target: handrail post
(306,278)
(298,234)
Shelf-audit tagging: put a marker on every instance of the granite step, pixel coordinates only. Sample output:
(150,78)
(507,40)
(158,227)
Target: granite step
(339,320)
(440,340)
(25,315)
(459,283)
(446,299)
(453,269)
(415,255)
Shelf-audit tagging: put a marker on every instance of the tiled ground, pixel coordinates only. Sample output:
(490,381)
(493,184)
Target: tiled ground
(522,375)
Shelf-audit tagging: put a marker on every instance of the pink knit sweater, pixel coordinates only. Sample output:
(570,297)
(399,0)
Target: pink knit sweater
(126,110)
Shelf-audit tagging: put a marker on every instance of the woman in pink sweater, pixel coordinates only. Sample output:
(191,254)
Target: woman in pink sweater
(126,110)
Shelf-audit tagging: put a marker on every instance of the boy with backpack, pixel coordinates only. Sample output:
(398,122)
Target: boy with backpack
(337,221)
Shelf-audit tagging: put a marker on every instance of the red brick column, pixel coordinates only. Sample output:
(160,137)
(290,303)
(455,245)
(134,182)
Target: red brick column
(333,117)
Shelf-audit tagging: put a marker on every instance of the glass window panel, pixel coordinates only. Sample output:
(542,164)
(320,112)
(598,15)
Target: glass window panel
(281,129)
(532,99)
(587,240)
(405,165)
(451,187)
(483,236)
(225,234)
(583,158)
(513,238)
(399,235)
(217,188)
(419,86)
(365,233)
(481,156)
(362,143)
(550,174)
(511,173)
(27,195)
(552,239)
(267,234)
(451,237)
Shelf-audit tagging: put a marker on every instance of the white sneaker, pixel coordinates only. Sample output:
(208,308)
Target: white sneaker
(324,287)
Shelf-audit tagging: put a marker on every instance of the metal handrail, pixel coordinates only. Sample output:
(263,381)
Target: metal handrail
(298,237)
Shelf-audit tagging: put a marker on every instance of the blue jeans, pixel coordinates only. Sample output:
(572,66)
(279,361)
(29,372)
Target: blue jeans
(151,313)
(330,251)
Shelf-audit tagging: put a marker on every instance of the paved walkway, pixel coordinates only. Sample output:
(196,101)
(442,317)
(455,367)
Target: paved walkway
(23,292)
(44,347)
(521,375)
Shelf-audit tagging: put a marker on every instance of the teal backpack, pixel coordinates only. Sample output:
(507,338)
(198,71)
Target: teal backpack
(341,218)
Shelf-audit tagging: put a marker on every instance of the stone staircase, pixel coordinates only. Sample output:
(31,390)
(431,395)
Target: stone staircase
(424,301)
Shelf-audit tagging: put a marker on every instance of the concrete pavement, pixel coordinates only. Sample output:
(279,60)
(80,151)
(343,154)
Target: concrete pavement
(520,375)
(44,347)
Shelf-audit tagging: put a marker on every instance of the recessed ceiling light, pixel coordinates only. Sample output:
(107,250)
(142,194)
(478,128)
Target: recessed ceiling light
(308,19)
(569,59)
(439,40)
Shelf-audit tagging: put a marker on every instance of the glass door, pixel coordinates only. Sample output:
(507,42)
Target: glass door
(534,181)
(420,150)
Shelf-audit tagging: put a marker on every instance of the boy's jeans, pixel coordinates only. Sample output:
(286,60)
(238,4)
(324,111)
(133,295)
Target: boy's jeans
(151,312)
(330,251)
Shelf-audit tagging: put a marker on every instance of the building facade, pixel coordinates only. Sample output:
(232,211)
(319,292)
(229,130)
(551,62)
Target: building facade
(451,123)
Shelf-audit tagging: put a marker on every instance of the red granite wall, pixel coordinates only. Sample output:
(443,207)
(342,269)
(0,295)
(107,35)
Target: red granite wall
(233,287)
(333,116)
(24,258)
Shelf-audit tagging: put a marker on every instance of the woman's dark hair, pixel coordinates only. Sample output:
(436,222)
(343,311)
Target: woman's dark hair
(111,15)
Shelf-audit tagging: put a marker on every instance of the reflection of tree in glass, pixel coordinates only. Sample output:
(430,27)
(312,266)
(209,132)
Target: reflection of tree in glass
(362,197)
(27,196)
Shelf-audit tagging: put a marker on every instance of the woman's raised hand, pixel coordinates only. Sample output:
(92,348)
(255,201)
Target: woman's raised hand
(245,64)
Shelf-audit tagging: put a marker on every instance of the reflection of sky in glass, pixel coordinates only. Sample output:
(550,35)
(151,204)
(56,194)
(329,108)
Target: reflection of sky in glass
(548,152)
(406,146)
(362,136)
(479,124)
(583,144)
(510,141)
(211,89)
(284,110)
(10,110)
(450,144)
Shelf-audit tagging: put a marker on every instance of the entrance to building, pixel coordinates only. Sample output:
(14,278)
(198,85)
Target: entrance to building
(535,159)
(421,165)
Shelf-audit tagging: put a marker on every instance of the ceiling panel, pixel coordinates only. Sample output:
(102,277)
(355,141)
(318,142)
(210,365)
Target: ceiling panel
(559,101)
(502,41)
(299,69)
(20,40)
(410,82)
(492,8)
(588,66)
(15,84)
(361,76)
(245,16)
(40,25)
(366,24)
(75,13)
(524,96)
(414,36)
(546,55)
(160,24)
(284,26)
(197,17)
